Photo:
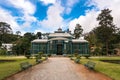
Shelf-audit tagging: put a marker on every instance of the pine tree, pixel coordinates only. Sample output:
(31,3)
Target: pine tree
(78,31)
(106,28)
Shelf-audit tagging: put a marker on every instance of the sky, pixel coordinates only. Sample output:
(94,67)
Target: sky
(49,15)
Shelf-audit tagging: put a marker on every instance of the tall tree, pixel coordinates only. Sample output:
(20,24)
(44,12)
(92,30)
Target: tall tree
(29,36)
(18,33)
(105,30)
(78,31)
(4,29)
(39,35)
(91,37)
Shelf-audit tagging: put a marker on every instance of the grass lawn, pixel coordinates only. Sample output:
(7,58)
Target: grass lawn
(110,69)
(8,68)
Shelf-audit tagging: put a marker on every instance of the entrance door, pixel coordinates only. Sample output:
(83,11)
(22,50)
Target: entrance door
(59,49)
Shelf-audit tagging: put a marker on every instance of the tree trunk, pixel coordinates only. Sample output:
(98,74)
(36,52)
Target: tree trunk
(107,48)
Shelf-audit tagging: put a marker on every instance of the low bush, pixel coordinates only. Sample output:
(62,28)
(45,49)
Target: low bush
(28,56)
(70,55)
(49,55)
(77,60)
(78,57)
(3,52)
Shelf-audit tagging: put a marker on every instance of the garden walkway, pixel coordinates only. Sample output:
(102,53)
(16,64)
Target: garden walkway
(58,68)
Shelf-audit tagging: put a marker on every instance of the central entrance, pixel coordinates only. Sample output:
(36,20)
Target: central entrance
(59,49)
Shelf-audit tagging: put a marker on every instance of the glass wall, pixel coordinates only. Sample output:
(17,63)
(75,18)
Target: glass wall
(81,48)
(39,47)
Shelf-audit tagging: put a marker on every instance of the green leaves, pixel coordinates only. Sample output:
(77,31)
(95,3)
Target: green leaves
(78,31)
(106,29)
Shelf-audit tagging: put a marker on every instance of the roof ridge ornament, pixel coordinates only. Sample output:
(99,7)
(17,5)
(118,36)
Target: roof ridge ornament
(59,29)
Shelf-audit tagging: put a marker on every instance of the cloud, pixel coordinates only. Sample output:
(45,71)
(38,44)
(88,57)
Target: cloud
(25,6)
(5,16)
(55,13)
(27,9)
(69,5)
(54,18)
(46,2)
(88,21)
(112,5)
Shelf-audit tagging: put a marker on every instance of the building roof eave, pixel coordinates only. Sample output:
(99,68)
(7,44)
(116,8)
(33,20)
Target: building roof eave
(79,40)
(40,41)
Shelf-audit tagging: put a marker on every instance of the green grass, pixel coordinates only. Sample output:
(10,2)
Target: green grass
(8,68)
(110,69)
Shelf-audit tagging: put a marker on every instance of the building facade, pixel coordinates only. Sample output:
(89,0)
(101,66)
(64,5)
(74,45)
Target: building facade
(59,43)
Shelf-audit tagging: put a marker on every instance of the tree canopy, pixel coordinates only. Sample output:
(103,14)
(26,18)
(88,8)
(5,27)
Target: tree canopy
(5,28)
(5,33)
(39,35)
(106,29)
(78,31)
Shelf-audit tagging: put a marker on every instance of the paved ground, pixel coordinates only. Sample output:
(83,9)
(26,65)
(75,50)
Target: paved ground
(58,68)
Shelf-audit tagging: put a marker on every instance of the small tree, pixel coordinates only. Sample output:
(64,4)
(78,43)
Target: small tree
(28,55)
(40,54)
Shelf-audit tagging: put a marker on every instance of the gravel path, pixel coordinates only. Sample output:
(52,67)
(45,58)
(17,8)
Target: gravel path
(58,68)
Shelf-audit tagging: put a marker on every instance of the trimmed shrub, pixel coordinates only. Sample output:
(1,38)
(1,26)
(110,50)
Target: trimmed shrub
(77,60)
(49,55)
(40,54)
(75,54)
(28,56)
(87,57)
(78,57)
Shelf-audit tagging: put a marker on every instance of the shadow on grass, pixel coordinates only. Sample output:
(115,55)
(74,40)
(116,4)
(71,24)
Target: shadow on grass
(112,61)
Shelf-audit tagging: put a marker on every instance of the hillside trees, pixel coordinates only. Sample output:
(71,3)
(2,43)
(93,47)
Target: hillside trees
(22,45)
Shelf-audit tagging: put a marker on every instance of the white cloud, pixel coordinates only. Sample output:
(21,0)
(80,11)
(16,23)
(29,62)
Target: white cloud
(88,21)
(24,5)
(28,20)
(46,2)
(69,5)
(5,16)
(54,18)
(112,5)
(27,9)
